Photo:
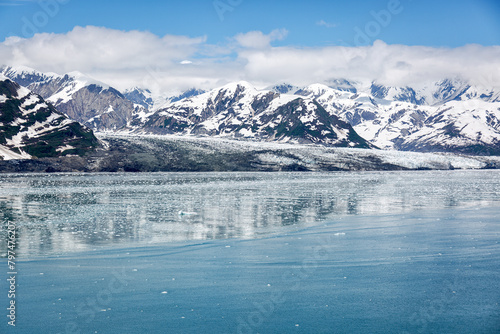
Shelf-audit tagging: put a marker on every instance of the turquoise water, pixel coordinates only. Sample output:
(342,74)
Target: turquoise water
(394,252)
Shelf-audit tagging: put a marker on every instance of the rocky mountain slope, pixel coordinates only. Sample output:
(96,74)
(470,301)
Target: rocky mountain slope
(32,128)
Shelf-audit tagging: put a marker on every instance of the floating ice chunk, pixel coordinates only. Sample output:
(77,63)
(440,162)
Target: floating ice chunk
(187,213)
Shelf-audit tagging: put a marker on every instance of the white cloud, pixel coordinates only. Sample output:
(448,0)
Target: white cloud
(125,59)
(387,64)
(258,40)
(88,48)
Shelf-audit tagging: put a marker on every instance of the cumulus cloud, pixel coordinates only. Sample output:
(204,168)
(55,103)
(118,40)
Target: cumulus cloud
(93,47)
(173,63)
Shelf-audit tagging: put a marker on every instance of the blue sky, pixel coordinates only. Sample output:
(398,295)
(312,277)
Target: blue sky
(177,45)
(309,23)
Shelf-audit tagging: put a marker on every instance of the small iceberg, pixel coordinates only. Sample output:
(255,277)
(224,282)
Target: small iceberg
(187,213)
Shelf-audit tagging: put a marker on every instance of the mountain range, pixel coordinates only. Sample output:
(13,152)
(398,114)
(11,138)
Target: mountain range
(445,116)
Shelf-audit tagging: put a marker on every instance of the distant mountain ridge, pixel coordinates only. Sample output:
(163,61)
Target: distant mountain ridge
(448,115)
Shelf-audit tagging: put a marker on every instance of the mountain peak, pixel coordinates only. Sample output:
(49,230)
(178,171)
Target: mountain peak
(86,79)
(318,88)
(242,85)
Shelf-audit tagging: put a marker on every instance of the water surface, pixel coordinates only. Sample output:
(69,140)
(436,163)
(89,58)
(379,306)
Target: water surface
(367,252)
(59,213)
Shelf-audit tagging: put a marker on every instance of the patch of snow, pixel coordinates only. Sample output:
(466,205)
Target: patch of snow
(142,114)
(22,92)
(64,148)
(282,100)
(65,94)
(23,71)
(36,130)
(245,132)
(307,118)
(39,106)
(30,101)
(7,154)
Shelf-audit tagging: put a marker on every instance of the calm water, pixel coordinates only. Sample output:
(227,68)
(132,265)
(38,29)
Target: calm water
(59,213)
(391,252)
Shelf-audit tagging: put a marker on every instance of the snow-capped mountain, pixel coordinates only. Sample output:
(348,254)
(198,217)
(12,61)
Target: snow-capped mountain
(241,111)
(80,97)
(25,76)
(472,127)
(30,127)
(447,115)
(383,122)
(91,102)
